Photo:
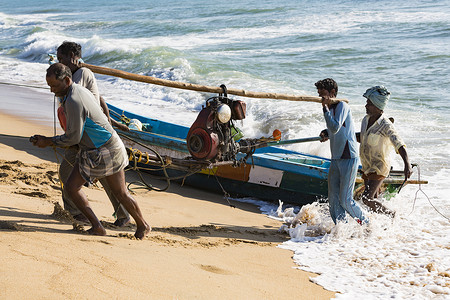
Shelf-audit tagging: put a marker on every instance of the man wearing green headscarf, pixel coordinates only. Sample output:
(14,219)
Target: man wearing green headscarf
(378,136)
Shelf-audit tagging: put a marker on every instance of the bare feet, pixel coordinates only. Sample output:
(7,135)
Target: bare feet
(142,231)
(377,207)
(97,231)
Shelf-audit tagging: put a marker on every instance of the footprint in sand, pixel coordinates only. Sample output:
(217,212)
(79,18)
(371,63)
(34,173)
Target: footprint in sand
(32,193)
(214,269)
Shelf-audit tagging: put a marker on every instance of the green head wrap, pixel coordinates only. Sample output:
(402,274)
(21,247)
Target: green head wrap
(378,95)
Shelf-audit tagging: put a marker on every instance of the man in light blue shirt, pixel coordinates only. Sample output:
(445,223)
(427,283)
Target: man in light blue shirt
(344,154)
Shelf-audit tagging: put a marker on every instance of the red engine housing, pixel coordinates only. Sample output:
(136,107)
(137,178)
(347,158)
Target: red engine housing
(202,142)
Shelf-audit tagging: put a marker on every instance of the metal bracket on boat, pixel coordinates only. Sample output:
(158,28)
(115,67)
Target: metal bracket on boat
(225,91)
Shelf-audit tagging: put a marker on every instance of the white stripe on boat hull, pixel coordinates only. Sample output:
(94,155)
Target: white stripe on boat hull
(265,176)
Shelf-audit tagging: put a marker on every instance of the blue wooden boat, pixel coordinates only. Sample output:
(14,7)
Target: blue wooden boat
(270,173)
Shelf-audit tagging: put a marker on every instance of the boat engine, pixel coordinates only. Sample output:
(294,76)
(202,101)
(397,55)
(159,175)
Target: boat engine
(212,135)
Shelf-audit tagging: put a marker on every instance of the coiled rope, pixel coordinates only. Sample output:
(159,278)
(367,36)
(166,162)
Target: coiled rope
(136,156)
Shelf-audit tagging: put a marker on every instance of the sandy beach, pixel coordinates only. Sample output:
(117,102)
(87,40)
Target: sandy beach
(199,247)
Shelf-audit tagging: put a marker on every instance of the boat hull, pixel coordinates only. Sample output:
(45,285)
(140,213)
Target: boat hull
(260,183)
(271,173)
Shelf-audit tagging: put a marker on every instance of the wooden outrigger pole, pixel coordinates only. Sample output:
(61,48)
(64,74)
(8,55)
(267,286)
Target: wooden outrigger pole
(198,87)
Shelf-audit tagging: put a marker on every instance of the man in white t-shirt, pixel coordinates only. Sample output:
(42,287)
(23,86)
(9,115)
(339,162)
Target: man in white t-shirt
(378,136)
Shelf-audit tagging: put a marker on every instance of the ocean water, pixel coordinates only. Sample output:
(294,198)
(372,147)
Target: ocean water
(284,47)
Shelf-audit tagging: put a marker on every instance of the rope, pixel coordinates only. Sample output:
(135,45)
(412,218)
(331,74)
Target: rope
(54,147)
(136,156)
(225,194)
(163,168)
(133,158)
(120,117)
(24,85)
(420,189)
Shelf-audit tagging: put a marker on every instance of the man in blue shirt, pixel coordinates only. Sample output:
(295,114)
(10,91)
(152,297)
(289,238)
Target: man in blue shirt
(344,154)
